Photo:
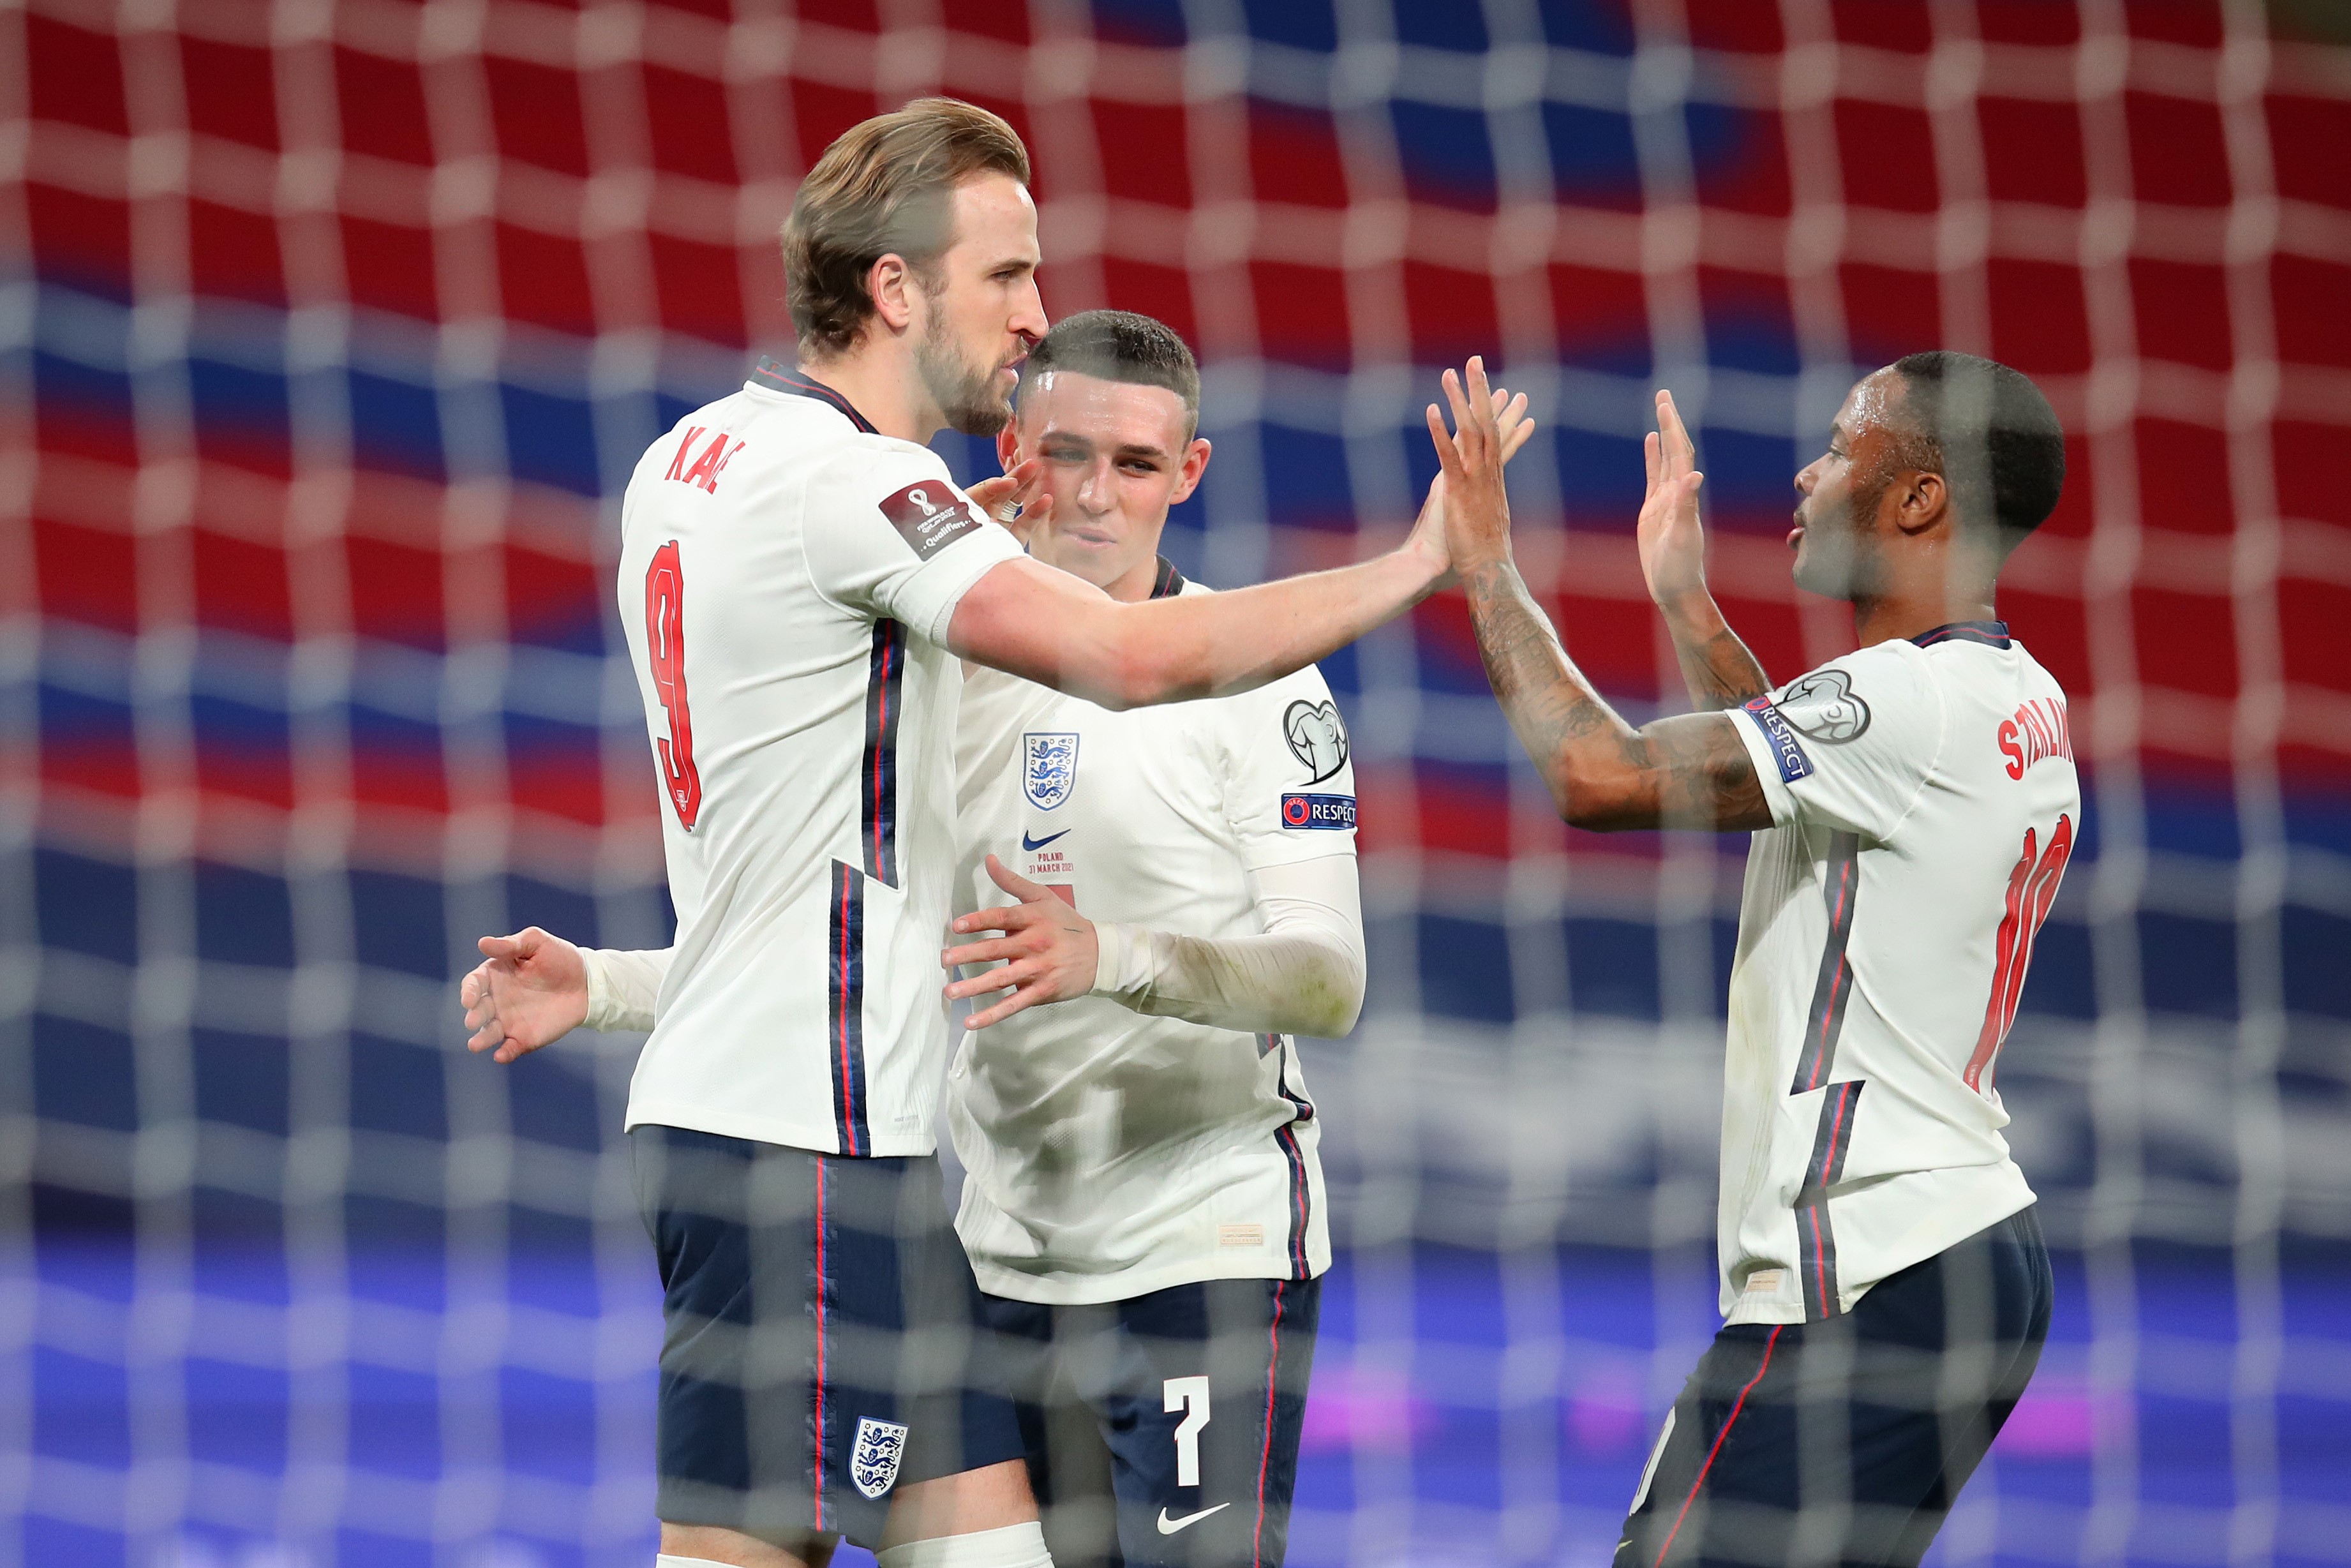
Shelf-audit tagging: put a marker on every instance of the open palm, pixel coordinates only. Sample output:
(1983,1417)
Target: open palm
(1672,542)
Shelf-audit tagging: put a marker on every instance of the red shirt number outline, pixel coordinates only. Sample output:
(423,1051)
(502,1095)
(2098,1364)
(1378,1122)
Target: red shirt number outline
(665,652)
(2032,888)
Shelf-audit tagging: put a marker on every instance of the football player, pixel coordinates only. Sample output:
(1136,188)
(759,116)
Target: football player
(1885,1286)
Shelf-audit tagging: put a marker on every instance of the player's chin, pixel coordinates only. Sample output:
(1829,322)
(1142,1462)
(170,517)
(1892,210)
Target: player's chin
(983,417)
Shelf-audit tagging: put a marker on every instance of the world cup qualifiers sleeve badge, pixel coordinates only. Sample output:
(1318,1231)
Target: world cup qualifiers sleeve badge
(873,1460)
(929,517)
(1049,768)
(1316,738)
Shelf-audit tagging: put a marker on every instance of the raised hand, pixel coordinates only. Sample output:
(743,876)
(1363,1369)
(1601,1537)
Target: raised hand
(1475,505)
(530,989)
(1050,950)
(1672,543)
(1020,490)
(1510,417)
(1515,427)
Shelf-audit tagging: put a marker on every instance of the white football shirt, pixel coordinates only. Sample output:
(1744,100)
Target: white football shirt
(1111,1154)
(786,576)
(1924,802)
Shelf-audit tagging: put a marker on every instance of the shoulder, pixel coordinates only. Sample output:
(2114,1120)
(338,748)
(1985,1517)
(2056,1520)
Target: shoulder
(2037,675)
(858,462)
(1885,686)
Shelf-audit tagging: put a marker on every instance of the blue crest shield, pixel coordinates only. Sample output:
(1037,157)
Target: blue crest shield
(1049,768)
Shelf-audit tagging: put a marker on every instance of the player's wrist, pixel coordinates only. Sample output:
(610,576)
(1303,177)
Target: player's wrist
(1691,605)
(1116,951)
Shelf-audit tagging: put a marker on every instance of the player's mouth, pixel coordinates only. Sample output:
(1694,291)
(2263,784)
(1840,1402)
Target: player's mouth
(1796,533)
(1089,536)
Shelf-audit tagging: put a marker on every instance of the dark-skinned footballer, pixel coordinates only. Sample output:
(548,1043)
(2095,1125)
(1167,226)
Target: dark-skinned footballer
(1885,1285)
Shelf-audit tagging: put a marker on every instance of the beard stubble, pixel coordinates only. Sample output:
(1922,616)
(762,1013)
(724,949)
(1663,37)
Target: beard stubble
(965,392)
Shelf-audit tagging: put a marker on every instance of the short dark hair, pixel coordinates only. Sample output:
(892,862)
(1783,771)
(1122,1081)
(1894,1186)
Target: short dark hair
(882,189)
(1119,346)
(1989,432)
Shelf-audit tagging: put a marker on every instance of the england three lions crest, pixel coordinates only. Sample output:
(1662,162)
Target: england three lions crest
(1048,770)
(874,1461)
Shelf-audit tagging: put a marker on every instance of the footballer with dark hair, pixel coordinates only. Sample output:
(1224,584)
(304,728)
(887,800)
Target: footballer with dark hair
(1885,1285)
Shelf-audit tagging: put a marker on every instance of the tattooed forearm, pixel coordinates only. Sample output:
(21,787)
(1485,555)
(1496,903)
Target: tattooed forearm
(1715,665)
(1708,780)
(1549,704)
(1689,772)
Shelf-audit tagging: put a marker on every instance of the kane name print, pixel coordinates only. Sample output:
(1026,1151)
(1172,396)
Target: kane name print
(687,468)
(929,516)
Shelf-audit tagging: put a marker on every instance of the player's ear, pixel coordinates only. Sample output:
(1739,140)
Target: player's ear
(1008,442)
(1195,464)
(1924,500)
(891,286)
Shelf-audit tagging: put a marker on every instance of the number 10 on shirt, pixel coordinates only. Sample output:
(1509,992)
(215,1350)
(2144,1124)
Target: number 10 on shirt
(665,652)
(2032,888)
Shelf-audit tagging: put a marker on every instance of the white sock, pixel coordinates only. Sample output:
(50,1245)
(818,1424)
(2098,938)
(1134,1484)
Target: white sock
(1014,1546)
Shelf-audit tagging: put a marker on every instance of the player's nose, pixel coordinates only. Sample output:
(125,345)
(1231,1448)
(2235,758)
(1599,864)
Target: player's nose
(1095,491)
(1029,322)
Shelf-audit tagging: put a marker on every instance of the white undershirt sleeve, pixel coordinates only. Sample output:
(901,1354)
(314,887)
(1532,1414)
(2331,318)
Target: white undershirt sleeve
(623,984)
(1303,976)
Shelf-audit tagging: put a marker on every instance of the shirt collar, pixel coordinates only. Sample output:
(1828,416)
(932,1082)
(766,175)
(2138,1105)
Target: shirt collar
(1991,633)
(781,378)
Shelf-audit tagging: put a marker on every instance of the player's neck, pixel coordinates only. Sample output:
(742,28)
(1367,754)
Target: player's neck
(1904,614)
(1133,585)
(881,382)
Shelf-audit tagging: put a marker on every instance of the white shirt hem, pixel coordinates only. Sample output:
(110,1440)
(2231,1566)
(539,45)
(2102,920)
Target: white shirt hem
(1943,1228)
(1095,1289)
(816,1139)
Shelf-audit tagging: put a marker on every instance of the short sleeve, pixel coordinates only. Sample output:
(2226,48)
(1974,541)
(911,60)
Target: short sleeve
(1851,745)
(1290,777)
(887,534)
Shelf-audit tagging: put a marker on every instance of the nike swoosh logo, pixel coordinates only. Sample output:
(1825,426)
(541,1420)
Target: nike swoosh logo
(1033,845)
(1170,1526)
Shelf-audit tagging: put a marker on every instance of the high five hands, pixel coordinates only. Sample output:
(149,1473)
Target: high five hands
(1505,424)
(1487,432)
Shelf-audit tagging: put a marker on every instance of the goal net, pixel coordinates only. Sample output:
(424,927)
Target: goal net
(331,329)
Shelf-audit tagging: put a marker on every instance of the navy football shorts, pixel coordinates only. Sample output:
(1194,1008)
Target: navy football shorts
(818,1335)
(1164,1429)
(1843,1443)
